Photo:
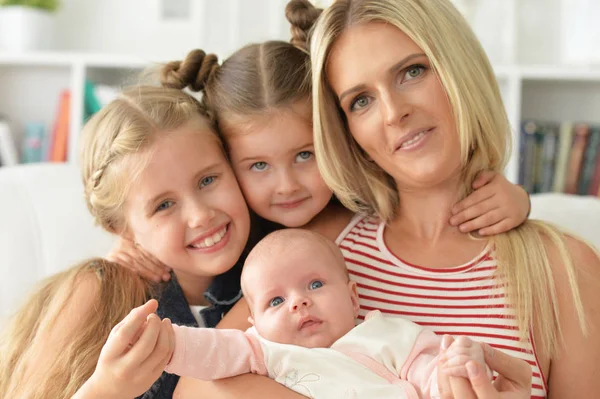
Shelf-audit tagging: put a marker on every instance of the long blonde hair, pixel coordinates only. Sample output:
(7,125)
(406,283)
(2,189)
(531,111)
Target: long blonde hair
(119,291)
(362,186)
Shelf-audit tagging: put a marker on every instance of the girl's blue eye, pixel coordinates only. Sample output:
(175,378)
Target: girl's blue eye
(316,284)
(276,301)
(359,103)
(259,166)
(303,156)
(207,181)
(164,205)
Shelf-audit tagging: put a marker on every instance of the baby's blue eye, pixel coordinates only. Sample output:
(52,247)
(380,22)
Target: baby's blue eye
(303,156)
(164,205)
(316,284)
(207,180)
(259,166)
(276,301)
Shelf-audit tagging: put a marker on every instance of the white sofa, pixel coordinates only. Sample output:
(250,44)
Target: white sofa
(45,225)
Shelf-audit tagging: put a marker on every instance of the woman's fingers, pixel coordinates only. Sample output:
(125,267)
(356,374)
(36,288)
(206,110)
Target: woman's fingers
(163,350)
(509,368)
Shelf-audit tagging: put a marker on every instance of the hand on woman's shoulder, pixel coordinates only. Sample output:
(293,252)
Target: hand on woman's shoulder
(331,221)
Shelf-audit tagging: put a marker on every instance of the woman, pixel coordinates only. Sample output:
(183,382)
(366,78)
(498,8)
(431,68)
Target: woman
(417,122)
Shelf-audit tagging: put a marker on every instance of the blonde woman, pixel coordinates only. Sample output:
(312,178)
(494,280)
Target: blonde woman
(407,112)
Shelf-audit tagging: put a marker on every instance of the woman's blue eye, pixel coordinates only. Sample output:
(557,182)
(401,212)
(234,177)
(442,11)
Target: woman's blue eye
(303,156)
(207,180)
(414,72)
(276,301)
(259,166)
(164,205)
(316,284)
(359,103)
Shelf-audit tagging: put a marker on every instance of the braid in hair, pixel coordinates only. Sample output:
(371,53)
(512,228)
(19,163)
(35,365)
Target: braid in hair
(302,15)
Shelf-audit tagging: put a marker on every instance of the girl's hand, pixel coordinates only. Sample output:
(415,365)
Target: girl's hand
(513,381)
(134,356)
(127,254)
(495,206)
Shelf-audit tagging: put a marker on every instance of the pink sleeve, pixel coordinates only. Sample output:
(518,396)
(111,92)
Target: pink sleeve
(210,354)
(420,366)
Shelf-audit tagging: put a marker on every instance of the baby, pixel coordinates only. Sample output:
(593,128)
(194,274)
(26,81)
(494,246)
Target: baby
(303,308)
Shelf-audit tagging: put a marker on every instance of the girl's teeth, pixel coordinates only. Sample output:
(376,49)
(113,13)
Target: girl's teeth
(413,140)
(212,240)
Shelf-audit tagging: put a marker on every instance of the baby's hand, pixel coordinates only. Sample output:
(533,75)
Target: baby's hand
(459,352)
(127,254)
(134,356)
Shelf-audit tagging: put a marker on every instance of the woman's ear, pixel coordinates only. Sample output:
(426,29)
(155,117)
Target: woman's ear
(354,297)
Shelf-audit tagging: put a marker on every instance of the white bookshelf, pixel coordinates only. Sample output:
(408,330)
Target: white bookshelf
(31,84)
(534,83)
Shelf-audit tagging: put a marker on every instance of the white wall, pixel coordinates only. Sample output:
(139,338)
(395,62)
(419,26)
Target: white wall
(136,27)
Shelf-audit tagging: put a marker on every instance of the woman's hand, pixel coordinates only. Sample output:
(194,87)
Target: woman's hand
(133,357)
(127,254)
(513,381)
(495,206)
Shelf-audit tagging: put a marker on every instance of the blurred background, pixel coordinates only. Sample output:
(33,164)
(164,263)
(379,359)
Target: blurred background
(61,60)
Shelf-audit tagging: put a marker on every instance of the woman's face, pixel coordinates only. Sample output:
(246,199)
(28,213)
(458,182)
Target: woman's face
(396,107)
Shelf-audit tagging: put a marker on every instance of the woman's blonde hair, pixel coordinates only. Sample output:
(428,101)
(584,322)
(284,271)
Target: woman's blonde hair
(484,131)
(254,80)
(119,291)
(124,127)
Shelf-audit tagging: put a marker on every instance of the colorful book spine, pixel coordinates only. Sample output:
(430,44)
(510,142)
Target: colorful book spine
(581,132)
(58,149)
(548,156)
(565,141)
(33,143)
(589,161)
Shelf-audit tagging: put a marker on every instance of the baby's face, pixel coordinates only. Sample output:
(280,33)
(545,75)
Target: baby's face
(301,297)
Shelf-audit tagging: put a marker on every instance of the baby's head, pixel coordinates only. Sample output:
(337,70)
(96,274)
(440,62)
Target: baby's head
(298,289)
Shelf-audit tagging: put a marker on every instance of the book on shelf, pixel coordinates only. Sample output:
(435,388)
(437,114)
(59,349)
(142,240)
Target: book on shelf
(560,157)
(8,149)
(34,143)
(57,148)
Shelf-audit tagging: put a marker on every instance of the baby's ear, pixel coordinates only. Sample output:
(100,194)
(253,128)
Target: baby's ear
(354,297)
(250,320)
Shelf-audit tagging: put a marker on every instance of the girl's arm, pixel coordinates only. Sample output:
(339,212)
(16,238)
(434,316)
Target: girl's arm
(575,370)
(494,207)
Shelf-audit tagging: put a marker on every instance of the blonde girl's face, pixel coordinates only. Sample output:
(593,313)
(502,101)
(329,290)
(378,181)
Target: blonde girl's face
(274,161)
(186,207)
(396,107)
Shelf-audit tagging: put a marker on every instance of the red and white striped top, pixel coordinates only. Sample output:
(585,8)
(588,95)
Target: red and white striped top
(462,300)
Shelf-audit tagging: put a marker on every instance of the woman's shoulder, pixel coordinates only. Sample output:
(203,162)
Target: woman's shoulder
(331,221)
